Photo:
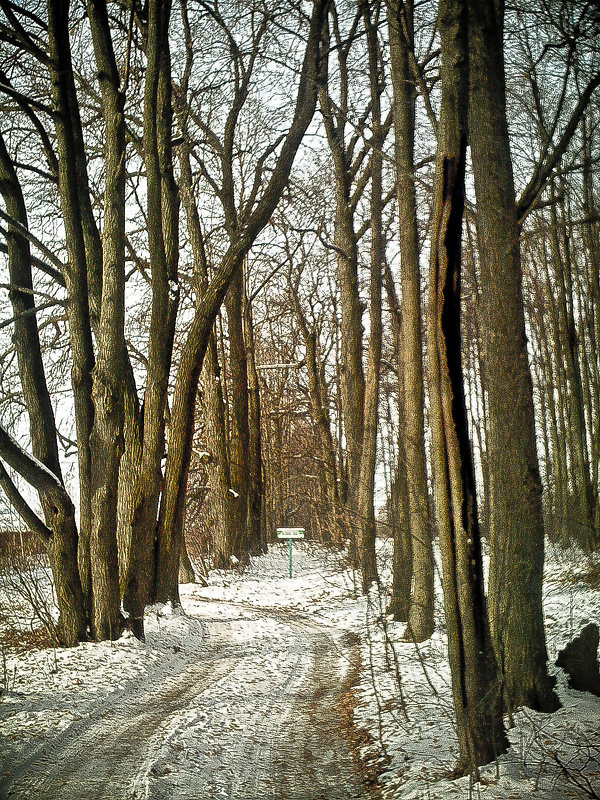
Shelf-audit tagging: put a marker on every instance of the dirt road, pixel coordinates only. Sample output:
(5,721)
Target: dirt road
(255,717)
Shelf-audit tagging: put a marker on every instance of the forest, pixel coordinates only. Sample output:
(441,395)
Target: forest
(314,263)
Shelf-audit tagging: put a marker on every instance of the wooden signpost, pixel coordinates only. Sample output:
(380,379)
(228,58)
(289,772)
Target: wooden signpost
(290,534)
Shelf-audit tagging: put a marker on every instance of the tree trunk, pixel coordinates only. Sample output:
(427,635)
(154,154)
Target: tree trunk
(162,212)
(207,307)
(402,560)
(255,482)
(475,681)
(222,500)
(420,619)
(366,488)
(517,529)
(352,378)
(225,542)
(70,177)
(106,440)
(330,503)
(239,443)
(581,510)
(60,518)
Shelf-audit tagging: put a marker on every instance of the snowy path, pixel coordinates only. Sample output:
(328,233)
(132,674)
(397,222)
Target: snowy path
(249,714)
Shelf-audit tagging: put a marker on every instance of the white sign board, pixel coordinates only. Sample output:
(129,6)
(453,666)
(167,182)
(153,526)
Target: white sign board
(290,533)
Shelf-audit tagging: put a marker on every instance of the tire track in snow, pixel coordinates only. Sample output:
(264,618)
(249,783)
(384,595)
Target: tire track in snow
(96,756)
(308,757)
(181,741)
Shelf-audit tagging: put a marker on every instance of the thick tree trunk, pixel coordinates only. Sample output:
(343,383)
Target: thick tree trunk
(106,441)
(71,190)
(476,687)
(517,529)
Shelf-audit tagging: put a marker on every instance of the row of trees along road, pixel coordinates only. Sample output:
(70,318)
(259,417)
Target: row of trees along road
(275,256)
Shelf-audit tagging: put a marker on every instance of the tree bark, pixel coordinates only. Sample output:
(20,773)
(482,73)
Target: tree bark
(256,541)
(225,542)
(330,501)
(581,503)
(517,530)
(475,681)
(239,443)
(162,213)
(366,487)
(59,517)
(420,618)
(107,438)
(352,381)
(70,178)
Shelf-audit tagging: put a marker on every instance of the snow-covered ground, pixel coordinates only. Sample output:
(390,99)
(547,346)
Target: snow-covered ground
(257,620)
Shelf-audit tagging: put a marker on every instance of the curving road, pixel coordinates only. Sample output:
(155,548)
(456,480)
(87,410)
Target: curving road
(256,717)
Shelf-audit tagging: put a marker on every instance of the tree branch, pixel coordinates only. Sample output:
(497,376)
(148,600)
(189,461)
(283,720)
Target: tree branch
(544,170)
(34,240)
(34,472)
(23,509)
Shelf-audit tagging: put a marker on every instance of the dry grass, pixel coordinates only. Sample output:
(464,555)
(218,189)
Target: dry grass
(23,640)
(368,766)
(588,573)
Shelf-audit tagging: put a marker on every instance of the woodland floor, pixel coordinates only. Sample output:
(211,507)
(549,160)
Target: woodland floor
(271,687)
(252,712)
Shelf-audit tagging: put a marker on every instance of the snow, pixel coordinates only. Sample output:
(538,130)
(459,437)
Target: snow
(173,290)
(403,691)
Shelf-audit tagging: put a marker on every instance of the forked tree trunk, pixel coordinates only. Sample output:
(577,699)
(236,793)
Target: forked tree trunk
(475,680)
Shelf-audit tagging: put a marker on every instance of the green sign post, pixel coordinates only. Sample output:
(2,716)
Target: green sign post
(290,534)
